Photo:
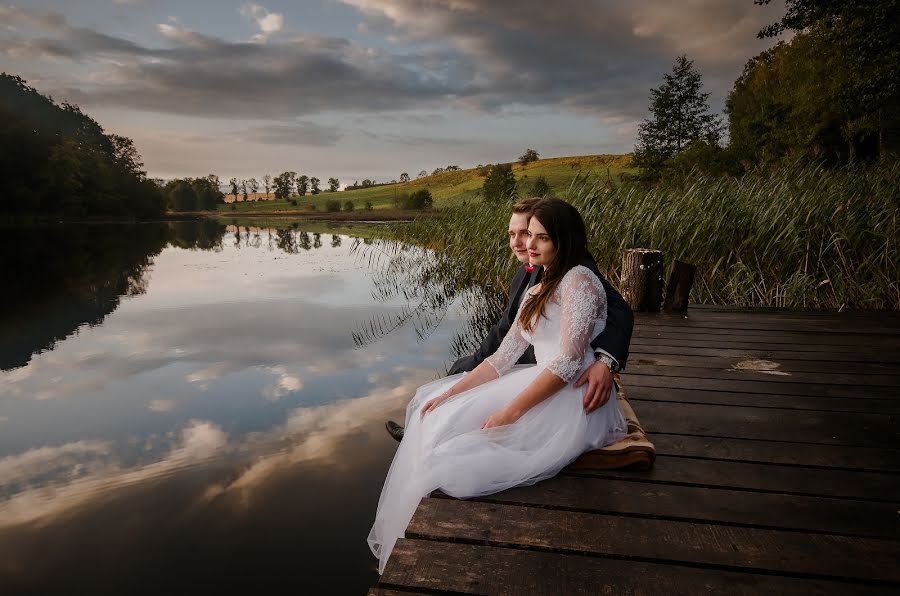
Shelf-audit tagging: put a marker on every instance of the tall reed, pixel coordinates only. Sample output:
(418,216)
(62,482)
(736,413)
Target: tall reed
(802,236)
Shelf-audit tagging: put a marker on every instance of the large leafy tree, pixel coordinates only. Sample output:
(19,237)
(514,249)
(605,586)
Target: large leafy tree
(853,46)
(864,33)
(302,184)
(500,183)
(679,115)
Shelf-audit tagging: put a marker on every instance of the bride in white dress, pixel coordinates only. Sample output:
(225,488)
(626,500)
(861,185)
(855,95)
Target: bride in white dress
(501,425)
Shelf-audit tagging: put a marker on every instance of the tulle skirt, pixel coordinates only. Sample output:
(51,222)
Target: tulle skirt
(447,449)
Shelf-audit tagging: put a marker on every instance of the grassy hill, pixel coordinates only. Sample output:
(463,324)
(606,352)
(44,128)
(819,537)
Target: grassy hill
(450,188)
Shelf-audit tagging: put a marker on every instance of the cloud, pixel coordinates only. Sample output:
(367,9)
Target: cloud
(42,461)
(312,435)
(84,470)
(293,133)
(586,57)
(283,384)
(161,405)
(268,22)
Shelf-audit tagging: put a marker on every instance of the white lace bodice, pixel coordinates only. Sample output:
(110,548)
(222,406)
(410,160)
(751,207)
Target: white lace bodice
(574,316)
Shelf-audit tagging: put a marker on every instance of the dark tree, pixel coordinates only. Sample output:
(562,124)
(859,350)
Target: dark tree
(529,156)
(284,185)
(422,174)
(679,114)
(234,188)
(333,184)
(182,196)
(302,185)
(206,190)
(540,188)
(253,184)
(267,183)
(314,185)
(404,177)
(500,183)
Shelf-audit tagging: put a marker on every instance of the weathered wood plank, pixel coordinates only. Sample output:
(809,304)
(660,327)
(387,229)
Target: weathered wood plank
(661,540)
(632,377)
(877,354)
(755,326)
(868,382)
(836,428)
(873,486)
(726,309)
(477,569)
(847,359)
(766,338)
(862,372)
(718,505)
(778,452)
(640,392)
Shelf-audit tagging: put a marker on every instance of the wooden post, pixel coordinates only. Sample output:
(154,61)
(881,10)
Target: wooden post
(679,287)
(642,279)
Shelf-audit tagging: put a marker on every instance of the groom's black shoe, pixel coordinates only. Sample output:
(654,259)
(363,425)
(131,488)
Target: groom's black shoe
(394,429)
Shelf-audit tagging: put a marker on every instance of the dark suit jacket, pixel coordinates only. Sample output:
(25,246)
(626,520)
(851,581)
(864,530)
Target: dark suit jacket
(614,339)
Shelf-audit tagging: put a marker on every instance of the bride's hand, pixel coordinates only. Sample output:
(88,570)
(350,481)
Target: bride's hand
(434,402)
(499,418)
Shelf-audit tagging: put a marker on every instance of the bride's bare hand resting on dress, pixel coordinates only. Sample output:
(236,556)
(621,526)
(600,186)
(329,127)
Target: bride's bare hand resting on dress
(545,385)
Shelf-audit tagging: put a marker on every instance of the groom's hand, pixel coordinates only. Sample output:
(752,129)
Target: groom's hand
(599,381)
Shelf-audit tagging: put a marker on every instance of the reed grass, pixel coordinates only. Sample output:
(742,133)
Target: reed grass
(801,236)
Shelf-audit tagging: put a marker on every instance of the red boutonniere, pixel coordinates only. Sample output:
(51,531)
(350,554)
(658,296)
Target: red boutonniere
(529,268)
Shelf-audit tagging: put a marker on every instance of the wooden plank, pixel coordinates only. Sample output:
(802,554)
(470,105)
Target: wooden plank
(843,358)
(791,553)
(778,452)
(818,378)
(837,483)
(475,569)
(639,392)
(779,310)
(861,371)
(634,378)
(715,505)
(384,592)
(727,342)
(834,428)
(767,338)
(878,334)
(705,312)
(758,326)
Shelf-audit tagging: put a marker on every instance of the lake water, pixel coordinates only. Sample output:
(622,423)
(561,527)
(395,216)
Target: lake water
(184,407)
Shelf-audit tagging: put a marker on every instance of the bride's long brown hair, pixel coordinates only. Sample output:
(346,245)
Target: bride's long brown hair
(568,235)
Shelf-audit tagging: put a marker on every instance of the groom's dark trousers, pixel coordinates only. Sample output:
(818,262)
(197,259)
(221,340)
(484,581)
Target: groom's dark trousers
(614,339)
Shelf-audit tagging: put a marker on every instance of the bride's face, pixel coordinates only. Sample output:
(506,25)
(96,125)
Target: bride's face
(540,248)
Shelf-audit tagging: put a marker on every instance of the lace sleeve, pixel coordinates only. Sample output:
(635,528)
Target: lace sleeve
(511,348)
(583,306)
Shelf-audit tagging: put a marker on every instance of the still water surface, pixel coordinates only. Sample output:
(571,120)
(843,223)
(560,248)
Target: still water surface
(185,408)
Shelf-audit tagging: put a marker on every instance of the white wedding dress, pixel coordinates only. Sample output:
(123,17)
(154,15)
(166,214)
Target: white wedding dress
(446,449)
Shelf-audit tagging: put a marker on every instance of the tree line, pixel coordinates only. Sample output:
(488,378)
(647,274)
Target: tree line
(56,160)
(831,93)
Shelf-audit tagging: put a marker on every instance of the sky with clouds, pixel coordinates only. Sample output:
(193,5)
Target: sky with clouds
(370,88)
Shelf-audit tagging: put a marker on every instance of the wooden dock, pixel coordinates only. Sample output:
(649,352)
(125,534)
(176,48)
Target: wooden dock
(777,472)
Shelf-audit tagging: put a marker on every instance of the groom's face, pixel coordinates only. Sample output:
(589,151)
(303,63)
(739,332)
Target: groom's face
(518,235)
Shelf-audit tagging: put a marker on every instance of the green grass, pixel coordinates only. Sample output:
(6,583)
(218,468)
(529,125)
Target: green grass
(798,237)
(452,188)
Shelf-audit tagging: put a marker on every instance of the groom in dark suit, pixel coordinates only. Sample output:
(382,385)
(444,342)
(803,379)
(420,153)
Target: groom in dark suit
(610,347)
